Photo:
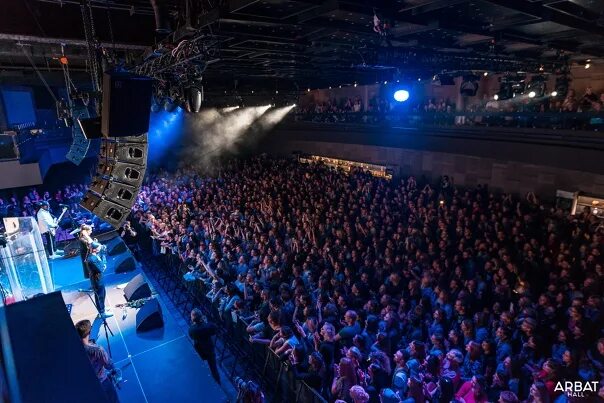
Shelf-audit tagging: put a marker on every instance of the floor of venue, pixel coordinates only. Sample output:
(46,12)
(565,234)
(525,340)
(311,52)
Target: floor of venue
(159,365)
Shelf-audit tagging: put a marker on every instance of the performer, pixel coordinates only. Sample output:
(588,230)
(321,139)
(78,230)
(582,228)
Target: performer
(85,242)
(96,266)
(101,363)
(48,225)
(201,332)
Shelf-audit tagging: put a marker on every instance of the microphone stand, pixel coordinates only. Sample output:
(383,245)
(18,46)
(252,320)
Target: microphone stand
(103,319)
(106,327)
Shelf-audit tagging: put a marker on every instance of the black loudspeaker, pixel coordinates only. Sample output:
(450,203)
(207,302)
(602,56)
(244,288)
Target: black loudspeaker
(149,316)
(70,379)
(116,246)
(120,173)
(126,104)
(108,211)
(91,127)
(79,146)
(137,288)
(125,265)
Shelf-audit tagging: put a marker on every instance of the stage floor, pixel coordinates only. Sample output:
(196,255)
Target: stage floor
(158,365)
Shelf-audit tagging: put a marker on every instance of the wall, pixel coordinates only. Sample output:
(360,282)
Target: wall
(504,166)
(15,174)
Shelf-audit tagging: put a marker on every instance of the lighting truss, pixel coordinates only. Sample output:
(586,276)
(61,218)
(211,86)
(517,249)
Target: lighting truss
(198,51)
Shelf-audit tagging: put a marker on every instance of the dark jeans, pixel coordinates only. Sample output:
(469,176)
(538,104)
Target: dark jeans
(99,295)
(49,245)
(110,391)
(210,358)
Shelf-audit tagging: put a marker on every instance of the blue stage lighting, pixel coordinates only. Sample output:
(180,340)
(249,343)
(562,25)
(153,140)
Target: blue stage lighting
(401,95)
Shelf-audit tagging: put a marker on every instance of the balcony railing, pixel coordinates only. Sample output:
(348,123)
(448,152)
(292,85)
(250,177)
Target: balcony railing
(558,121)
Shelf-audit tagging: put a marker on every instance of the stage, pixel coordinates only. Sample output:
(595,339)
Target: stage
(159,365)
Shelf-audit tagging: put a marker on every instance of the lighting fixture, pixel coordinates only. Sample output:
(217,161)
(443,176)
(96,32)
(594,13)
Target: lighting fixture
(554,93)
(587,65)
(486,73)
(532,94)
(495,97)
(401,95)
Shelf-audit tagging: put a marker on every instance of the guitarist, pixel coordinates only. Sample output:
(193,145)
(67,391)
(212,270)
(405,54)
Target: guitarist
(96,266)
(100,361)
(48,226)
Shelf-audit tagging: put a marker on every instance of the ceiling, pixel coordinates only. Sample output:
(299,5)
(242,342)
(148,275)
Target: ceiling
(312,43)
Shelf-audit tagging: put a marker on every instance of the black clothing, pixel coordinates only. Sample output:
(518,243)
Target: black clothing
(96,267)
(201,334)
(84,257)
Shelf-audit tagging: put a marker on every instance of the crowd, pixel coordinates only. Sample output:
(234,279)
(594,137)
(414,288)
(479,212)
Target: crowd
(11,205)
(392,291)
(541,111)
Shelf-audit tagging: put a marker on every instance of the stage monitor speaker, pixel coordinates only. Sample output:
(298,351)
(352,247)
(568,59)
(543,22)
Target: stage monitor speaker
(149,316)
(123,172)
(126,264)
(106,210)
(126,104)
(79,146)
(137,288)
(116,246)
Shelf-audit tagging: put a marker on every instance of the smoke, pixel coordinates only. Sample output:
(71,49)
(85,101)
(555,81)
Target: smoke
(271,118)
(215,133)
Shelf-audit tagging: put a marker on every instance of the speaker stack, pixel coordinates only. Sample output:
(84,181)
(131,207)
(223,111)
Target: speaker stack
(123,158)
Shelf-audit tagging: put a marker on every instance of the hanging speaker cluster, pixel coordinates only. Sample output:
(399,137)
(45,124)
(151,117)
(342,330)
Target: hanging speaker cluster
(120,174)
(79,146)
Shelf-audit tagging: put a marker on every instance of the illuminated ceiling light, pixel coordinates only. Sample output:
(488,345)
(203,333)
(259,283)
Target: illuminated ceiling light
(554,93)
(252,91)
(355,84)
(532,94)
(329,87)
(385,82)
(398,81)
(419,79)
(486,73)
(587,65)
(308,90)
(496,97)
(276,91)
(340,86)
(401,95)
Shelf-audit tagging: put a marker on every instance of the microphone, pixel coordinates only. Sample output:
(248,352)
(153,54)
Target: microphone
(87,290)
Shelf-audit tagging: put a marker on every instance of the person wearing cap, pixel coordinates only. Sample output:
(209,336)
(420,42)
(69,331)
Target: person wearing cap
(47,225)
(99,359)
(96,266)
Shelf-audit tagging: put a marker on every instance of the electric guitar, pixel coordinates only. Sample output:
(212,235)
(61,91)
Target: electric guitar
(53,230)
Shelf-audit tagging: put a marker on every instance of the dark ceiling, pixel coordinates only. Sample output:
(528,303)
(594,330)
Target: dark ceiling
(312,43)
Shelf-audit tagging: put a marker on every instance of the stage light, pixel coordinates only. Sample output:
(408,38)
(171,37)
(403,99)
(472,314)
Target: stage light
(308,90)
(169,105)
(496,97)
(419,79)
(587,65)
(486,73)
(532,94)
(401,95)
(554,93)
(355,85)
(385,82)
